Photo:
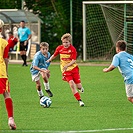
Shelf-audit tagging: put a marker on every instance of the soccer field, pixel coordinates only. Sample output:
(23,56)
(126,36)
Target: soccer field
(106,106)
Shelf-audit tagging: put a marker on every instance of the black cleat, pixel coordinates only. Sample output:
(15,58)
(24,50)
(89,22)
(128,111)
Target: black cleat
(49,93)
(41,97)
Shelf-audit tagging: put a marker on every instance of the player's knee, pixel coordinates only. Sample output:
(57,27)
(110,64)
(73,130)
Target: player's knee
(130,99)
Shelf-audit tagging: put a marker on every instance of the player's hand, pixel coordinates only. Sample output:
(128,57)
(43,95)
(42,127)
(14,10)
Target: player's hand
(25,42)
(48,60)
(65,68)
(105,70)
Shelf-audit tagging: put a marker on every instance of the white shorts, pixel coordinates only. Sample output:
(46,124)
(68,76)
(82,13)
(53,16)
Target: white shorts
(129,90)
(36,77)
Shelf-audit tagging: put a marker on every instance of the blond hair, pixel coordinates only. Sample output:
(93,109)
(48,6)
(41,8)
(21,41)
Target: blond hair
(67,36)
(44,44)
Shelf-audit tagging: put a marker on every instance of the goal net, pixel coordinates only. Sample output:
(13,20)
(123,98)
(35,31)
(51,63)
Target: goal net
(104,23)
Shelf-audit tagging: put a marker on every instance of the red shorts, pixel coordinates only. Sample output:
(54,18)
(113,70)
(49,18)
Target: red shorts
(72,75)
(4,85)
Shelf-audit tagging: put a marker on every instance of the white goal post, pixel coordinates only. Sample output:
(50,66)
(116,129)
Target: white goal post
(84,4)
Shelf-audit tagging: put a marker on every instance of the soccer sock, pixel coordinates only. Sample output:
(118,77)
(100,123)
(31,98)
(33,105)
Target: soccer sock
(46,85)
(40,93)
(77,96)
(25,57)
(9,107)
(22,56)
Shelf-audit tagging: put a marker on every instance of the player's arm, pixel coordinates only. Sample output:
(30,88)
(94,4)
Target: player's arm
(110,68)
(41,70)
(5,56)
(69,64)
(51,58)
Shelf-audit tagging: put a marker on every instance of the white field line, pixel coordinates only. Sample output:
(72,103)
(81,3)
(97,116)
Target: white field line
(82,131)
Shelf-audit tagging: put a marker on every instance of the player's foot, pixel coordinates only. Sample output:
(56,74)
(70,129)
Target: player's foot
(24,64)
(49,93)
(11,123)
(81,104)
(81,90)
(41,97)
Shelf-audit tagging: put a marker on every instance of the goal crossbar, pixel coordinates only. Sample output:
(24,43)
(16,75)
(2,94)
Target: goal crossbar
(107,2)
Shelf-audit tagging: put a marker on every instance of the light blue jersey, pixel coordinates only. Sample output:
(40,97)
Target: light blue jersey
(124,62)
(23,33)
(39,60)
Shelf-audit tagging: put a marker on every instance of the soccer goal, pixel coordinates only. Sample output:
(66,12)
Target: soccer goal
(104,23)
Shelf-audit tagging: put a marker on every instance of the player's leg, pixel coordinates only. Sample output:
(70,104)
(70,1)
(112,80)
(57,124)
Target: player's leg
(24,53)
(21,51)
(45,77)
(39,90)
(75,92)
(25,58)
(36,78)
(77,80)
(5,90)
(129,92)
(9,108)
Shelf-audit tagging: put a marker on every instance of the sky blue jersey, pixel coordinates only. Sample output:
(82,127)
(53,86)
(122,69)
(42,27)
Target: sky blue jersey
(23,33)
(124,61)
(39,60)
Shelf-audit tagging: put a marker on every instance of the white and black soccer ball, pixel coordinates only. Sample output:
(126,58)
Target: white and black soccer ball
(45,102)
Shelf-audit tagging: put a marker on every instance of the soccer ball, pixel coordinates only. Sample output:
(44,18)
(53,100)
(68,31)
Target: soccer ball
(45,102)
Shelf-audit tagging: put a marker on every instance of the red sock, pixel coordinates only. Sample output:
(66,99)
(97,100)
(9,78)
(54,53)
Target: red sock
(77,96)
(9,107)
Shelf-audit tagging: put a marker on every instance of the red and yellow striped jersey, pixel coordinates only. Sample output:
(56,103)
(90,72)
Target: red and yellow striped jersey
(66,56)
(3,54)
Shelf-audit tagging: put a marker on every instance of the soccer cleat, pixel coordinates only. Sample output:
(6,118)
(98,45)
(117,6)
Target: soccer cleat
(11,123)
(81,90)
(41,96)
(81,104)
(49,93)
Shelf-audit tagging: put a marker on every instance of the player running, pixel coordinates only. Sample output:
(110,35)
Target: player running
(39,67)
(69,67)
(124,61)
(4,84)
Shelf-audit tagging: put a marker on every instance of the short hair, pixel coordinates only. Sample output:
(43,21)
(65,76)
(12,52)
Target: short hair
(44,44)
(67,36)
(22,21)
(121,44)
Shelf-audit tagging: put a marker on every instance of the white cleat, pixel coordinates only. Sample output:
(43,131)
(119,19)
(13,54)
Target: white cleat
(81,104)
(11,123)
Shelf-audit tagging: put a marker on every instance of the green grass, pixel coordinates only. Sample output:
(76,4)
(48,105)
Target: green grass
(106,105)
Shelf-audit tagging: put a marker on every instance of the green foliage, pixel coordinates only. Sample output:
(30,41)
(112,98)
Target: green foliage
(10,4)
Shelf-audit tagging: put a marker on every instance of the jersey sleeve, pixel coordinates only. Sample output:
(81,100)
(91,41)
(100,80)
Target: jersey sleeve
(56,51)
(74,53)
(28,31)
(6,50)
(115,61)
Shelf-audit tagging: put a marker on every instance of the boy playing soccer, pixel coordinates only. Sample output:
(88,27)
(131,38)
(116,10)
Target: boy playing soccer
(124,62)
(4,84)
(69,67)
(39,67)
